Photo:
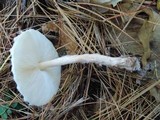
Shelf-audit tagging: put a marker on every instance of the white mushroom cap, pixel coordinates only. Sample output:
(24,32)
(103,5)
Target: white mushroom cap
(29,49)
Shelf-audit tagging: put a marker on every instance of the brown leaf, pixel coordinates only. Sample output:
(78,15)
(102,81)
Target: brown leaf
(66,39)
(50,26)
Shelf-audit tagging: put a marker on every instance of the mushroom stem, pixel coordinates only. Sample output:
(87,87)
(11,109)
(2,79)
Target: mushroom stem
(128,63)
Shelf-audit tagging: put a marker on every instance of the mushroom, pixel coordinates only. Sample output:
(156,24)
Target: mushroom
(36,66)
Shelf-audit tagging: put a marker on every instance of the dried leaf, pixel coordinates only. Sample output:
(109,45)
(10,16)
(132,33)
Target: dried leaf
(130,42)
(130,8)
(155,93)
(106,2)
(154,58)
(50,26)
(145,35)
(112,2)
(67,40)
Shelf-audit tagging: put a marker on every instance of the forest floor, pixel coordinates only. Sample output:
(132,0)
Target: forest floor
(87,91)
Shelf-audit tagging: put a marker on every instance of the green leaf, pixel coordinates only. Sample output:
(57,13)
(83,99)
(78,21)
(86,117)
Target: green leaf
(14,105)
(9,111)
(4,116)
(8,95)
(18,106)
(2,109)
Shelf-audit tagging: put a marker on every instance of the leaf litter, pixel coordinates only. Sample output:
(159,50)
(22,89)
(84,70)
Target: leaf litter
(89,91)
